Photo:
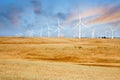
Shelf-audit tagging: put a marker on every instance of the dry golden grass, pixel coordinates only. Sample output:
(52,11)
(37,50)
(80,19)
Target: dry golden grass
(16,69)
(21,53)
(70,50)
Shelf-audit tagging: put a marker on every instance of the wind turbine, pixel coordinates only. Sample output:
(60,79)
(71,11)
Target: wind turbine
(40,26)
(79,25)
(41,30)
(112,32)
(59,29)
(48,30)
(93,33)
(19,34)
(106,34)
(30,32)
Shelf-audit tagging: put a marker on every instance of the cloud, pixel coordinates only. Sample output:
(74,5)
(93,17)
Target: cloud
(10,14)
(62,15)
(110,14)
(88,13)
(101,15)
(14,15)
(36,6)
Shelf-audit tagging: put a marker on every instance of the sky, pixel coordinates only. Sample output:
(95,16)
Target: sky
(60,18)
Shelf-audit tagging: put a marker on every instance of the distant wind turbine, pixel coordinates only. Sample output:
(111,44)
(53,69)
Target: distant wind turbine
(79,25)
(59,27)
(106,34)
(19,34)
(93,33)
(48,30)
(41,30)
(112,32)
(30,32)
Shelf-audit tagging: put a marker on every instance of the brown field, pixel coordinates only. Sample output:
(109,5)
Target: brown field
(59,59)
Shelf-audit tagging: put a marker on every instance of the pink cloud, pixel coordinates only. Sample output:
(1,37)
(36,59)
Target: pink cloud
(101,15)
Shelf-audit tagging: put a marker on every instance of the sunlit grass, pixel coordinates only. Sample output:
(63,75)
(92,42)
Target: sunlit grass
(33,58)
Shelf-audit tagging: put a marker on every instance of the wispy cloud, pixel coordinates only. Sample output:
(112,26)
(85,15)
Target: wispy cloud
(10,15)
(87,13)
(15,15)
(102,15)
(110,14)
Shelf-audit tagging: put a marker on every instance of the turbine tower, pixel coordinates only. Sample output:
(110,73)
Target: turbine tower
(112,32)
(79,25)
(106,34)
(59,29)
(30,32)
(41,32)
(93,33)
(48,30)
(19,34)
(80,28)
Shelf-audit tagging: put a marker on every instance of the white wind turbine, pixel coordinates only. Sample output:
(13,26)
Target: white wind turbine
(19,34)
(79,25)
(30,32)
(59,29)
(93,33)
(48,30)
(112,32)
(40,25)
(41,30)
(106,34)
(28,28)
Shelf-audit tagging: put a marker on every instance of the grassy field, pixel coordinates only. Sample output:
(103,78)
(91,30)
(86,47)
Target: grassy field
(59,59)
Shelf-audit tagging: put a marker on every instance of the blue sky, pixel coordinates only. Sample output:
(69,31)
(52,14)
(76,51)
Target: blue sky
(32,17)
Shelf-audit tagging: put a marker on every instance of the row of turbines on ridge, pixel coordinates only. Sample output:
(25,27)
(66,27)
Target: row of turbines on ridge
(79,26)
